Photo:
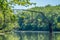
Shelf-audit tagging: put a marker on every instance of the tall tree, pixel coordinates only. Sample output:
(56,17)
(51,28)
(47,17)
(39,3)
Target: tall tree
(7,18)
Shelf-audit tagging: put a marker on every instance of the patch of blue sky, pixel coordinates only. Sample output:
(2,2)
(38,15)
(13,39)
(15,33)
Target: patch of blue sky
(39,3)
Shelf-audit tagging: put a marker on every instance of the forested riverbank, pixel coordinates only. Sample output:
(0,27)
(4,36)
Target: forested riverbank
(32,21)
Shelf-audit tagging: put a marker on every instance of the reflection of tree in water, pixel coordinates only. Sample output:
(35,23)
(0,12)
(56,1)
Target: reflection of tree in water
(43,36)
(29,36)
(9,36)
(35,36)
(57,36)
(2,37)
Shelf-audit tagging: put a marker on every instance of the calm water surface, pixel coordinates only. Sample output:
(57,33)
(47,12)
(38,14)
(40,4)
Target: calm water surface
(23,35)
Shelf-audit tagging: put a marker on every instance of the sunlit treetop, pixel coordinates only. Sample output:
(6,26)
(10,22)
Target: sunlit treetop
(4,4)
(20,2)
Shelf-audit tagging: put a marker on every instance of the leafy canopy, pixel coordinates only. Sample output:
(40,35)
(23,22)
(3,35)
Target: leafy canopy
(7,18)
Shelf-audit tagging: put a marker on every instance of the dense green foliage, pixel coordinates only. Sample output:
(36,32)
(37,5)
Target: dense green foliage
(8,19)
(35,21)
(28,20)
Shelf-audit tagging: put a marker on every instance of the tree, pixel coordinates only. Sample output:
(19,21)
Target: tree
(51,13)
(7,18)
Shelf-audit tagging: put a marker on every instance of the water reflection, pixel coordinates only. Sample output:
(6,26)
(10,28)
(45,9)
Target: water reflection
(28,36)
(9,36)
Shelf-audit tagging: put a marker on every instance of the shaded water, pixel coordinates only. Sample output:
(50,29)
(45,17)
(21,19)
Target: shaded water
(28,36)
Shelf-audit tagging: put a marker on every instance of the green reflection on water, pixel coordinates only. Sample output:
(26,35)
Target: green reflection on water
(9,36)
(28,36)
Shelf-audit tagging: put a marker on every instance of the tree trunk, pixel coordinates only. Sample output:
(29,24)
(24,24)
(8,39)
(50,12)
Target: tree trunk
(50,31)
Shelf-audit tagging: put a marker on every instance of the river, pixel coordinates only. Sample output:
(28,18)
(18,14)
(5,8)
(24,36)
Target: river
(29,35)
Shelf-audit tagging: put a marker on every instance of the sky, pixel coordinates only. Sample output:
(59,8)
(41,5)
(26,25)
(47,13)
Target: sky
(39,3)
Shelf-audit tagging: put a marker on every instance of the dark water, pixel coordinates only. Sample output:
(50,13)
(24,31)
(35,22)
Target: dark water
(28,36)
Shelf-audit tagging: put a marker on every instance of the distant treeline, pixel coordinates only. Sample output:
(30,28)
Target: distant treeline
(34,21)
